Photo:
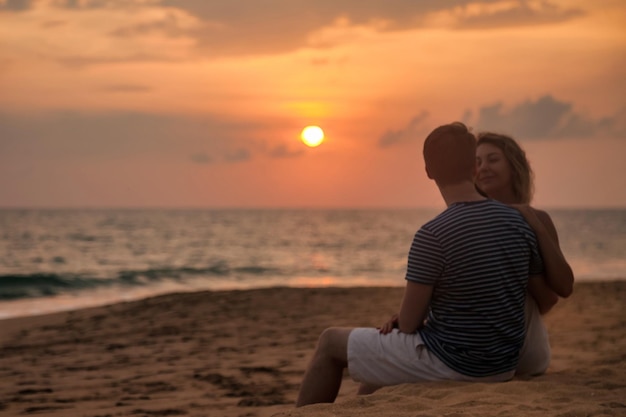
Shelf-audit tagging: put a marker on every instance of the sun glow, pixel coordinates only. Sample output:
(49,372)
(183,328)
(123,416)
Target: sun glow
(312,136)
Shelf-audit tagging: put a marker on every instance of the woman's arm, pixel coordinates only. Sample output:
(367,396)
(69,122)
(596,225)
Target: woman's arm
(543,295)
(558,275)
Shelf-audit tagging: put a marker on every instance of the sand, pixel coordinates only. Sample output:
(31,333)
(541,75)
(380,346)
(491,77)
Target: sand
(243,353)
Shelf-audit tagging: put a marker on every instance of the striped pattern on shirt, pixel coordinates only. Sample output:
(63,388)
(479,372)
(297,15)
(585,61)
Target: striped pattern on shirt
(478,256)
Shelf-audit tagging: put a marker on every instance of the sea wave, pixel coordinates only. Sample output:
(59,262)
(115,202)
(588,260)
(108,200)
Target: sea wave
(17,286)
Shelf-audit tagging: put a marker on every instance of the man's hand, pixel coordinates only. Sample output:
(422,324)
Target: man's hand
(389,325)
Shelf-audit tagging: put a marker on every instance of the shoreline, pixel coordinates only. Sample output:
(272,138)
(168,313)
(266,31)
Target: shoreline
(67,302)
(243,353)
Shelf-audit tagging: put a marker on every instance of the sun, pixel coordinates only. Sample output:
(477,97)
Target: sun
(312,136)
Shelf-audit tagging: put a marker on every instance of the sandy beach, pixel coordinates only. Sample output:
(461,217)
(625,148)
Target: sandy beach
(243,353)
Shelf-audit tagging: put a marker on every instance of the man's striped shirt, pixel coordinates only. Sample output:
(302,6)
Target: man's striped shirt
(478,256)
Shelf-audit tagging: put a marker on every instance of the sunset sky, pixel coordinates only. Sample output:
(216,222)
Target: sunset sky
(200,103)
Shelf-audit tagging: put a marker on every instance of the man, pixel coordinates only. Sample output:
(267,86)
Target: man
(462,314)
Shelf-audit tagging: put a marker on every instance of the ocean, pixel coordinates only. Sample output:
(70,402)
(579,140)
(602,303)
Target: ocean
(53,260)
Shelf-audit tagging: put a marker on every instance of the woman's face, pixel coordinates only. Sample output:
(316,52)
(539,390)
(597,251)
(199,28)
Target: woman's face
(493,171)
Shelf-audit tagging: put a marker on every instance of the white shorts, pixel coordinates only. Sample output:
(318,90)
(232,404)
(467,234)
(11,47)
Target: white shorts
(399,358)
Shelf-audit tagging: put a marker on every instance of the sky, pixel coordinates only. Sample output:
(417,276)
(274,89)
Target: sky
(200,103)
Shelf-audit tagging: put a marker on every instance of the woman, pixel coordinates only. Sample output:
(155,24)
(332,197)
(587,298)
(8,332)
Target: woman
(504,174)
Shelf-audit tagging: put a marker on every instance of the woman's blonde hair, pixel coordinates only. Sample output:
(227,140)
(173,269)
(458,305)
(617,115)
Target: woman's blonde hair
(522,177)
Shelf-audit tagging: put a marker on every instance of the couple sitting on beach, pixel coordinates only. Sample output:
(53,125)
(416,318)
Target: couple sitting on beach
(479,276)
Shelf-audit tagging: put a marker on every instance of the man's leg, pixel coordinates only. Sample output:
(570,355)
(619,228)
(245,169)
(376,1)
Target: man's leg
(322,378)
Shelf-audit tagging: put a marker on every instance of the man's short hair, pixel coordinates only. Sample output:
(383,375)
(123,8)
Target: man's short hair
(450,154)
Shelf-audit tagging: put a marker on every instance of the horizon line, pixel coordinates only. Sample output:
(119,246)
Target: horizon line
(364,207)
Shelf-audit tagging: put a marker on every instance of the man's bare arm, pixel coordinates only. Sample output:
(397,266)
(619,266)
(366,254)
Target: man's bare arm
(414,306)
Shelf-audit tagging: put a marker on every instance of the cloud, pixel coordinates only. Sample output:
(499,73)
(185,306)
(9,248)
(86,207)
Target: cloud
(546,118)
(252,27)
(542,119)
(201,158)
(16,5)
(169,25)
(405,135)
(49,24)
(22,5)
(79,61)
(85,135)
(521,13)
(239,155)
(285,25)
(114,135)
(111,136)
(282,151)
